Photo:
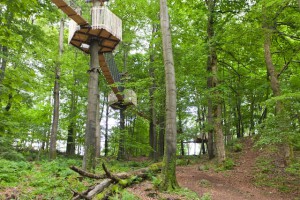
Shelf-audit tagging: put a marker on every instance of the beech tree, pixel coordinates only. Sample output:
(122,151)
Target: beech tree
(169,171)
(214,103)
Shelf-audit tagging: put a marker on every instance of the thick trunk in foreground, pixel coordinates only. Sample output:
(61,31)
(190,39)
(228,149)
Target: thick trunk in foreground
(169,171)
(89,159)
(215,112)
(285,149)
(54,128)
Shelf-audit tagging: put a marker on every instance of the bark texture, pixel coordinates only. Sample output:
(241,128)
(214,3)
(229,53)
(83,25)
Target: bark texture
(3,63)
(214,104)
(284,147)
(169,175)
(106,129)
(70,149)
(152,122)
(89,158)
(121,151)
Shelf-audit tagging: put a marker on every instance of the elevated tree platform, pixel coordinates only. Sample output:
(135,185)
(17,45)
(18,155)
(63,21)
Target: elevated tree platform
(107,29)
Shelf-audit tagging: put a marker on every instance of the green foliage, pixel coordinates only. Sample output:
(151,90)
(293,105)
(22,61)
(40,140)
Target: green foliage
(205,183)
(12,172)
(186,193)
(156,181)
(8,152)
(48,180)
(156,166)
(228,164)
(124,195)
(235,145)
(294,169)
(206,196)
(278,129)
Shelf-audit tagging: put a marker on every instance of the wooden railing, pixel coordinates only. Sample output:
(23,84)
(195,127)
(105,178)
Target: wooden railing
(103,18)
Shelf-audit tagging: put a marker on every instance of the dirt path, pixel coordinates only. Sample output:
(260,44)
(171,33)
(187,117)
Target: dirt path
(236,184)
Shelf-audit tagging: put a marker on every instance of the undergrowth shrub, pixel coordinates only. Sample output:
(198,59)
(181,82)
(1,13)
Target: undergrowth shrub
(11,171)
(206,196)
(234,145)
(279,129)
(8,152)
(294,169)
(228,164)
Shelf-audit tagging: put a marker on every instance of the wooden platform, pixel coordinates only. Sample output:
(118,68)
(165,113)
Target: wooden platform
(82,37)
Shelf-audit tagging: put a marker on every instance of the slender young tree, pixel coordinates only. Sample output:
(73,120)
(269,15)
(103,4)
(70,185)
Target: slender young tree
(70,149)
(152,122)
(169,171)
(56,89)
(106,127)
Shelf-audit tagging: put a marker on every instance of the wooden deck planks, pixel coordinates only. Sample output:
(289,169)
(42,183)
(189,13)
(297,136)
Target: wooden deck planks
(70,12)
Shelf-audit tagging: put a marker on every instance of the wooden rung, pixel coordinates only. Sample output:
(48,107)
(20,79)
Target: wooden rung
(70,12)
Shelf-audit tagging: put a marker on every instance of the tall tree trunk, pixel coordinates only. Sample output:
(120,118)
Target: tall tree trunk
(252,131)
(98,129)
(70,149)
(210,62)
(3,63)
(239,131)
(284,147)
(152,123)
(89,159)
(161,137)
(106,128)
(215,105)
(180,131)
(201,119)
(54,128)
(169,172)
(121,151)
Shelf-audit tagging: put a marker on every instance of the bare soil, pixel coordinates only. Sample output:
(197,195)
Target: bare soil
(236,184)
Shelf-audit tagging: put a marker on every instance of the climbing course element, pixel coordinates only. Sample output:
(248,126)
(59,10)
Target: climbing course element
(68,10)
(107,29)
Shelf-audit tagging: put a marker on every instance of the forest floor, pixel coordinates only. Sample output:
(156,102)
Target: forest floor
(236,184)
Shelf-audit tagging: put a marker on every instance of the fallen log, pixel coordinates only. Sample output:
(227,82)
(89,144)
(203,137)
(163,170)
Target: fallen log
(119,178)
(99,188)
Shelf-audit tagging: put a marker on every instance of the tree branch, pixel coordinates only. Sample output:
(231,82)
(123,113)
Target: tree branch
(285,67)
(87,174)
